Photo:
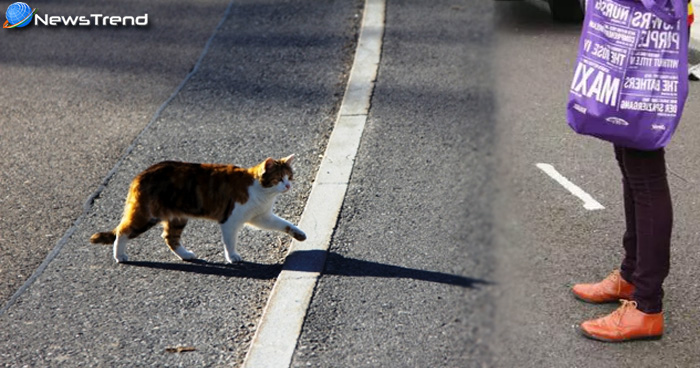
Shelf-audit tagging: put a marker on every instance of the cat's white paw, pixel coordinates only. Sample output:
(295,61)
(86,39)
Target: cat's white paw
(299,235)
(184,254)
(121,258)
(233,257)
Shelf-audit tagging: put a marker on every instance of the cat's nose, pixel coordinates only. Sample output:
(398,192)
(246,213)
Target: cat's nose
(287,186)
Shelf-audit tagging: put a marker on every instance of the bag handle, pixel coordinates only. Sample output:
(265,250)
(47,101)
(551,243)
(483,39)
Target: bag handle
(657,7)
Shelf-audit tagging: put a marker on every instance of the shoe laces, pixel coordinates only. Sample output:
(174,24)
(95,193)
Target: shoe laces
(620,312)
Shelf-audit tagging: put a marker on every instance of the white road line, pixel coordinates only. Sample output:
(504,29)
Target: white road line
(278,331)
(588,202)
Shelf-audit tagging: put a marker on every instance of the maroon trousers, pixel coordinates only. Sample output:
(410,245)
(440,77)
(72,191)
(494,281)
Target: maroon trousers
(649,219)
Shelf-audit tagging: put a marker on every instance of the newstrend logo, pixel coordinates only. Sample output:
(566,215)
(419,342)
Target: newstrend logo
(20,14)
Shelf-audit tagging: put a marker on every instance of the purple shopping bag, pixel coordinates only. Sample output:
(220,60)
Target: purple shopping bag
(631,76)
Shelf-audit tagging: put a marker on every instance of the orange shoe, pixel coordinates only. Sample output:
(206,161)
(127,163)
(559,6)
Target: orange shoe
(612,288)
(624,324)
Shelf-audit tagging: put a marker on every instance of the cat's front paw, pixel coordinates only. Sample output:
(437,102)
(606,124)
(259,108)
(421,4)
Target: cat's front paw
(299,235)
(121,258)
(184,254)
(233,257)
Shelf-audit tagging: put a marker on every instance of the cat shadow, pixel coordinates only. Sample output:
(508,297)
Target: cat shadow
(305,261)
(199,266)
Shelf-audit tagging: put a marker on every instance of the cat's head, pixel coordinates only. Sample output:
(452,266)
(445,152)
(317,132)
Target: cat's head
(277,175)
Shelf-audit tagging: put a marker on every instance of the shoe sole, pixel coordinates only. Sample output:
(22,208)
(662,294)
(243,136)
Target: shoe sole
(603,339)
(598,302)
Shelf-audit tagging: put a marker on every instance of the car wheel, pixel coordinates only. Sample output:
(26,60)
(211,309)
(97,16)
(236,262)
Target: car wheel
(566,10)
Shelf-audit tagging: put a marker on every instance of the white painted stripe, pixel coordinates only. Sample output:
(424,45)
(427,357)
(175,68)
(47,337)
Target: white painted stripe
(278,331)
(588,202)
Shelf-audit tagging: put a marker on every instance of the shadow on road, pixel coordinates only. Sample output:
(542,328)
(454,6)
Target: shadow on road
(202,267)
(343,266)
(335,265)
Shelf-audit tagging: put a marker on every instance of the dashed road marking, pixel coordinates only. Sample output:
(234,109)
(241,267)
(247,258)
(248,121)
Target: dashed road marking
(589,202)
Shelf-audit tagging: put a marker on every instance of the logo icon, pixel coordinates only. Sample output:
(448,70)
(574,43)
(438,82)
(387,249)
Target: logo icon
(18,15)
(617,121)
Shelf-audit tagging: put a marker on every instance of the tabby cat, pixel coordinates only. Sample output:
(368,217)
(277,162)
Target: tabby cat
(171,192)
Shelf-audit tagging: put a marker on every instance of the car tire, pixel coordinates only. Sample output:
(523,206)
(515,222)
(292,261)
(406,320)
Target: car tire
(566,10)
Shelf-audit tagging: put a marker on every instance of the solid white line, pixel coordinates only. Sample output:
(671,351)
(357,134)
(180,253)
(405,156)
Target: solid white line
(588,202)
(278,331)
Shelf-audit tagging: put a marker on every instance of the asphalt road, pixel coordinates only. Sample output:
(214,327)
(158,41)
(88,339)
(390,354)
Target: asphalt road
(407,278)
(452,249)
(545,240)
(270,85)
(72,101)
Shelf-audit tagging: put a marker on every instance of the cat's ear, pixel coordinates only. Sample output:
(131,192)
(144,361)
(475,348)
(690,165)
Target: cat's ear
(288,160)
(269,164)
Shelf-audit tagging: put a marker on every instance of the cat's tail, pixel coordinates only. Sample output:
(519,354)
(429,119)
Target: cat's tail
(103,238)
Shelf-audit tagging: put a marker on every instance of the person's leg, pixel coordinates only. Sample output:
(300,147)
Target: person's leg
(653,214)
(617,285)
(649,212)
(629,239)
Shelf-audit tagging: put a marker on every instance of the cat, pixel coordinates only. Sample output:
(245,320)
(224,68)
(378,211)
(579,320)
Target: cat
(171,192)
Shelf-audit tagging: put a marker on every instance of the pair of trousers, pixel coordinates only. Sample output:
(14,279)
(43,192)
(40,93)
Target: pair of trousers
(648,220)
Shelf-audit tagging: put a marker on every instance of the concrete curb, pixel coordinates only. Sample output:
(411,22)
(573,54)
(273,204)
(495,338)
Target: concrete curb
(278,331)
